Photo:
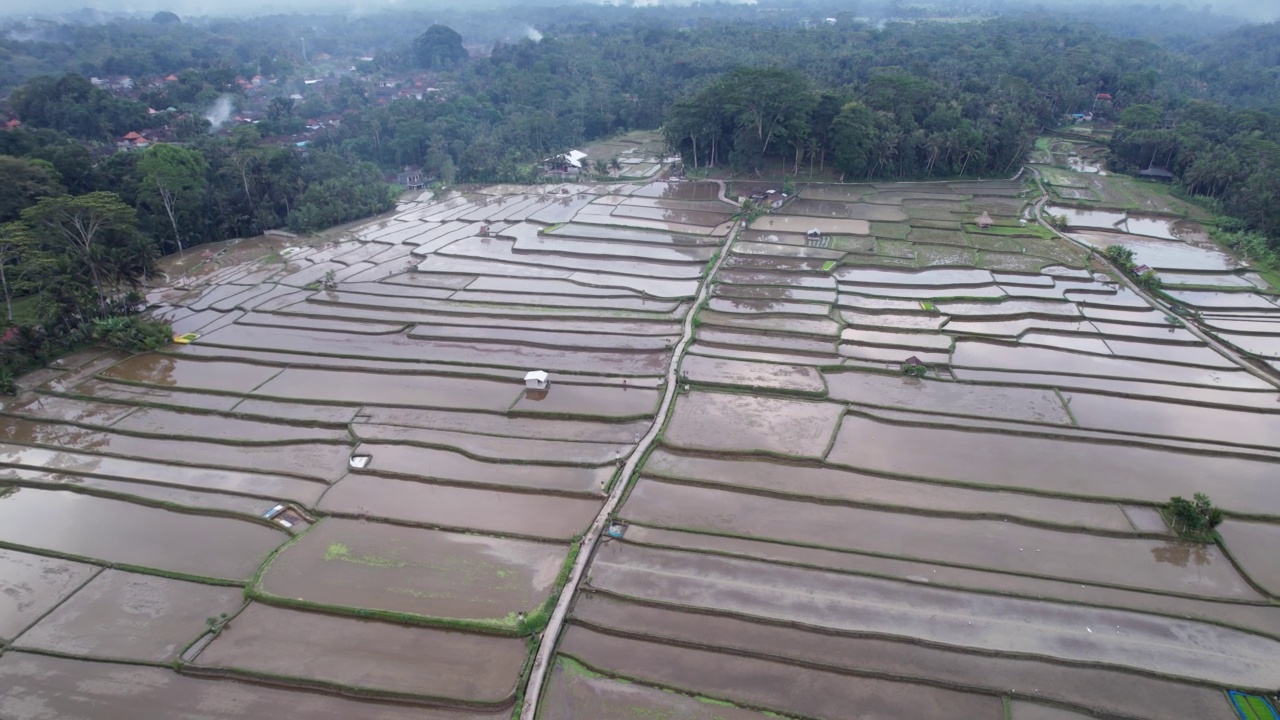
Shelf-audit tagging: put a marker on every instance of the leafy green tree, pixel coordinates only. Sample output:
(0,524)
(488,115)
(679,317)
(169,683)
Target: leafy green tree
(95,234)
(439,48)
(21,261)
(172,181)
(25,181)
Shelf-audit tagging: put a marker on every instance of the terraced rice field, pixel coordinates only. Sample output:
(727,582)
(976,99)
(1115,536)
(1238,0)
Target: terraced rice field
(431,504)
(808,532)
(817,535)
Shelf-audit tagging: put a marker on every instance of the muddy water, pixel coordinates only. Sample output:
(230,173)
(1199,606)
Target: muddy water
(679,191)
(250,483)
(574,695)
(908,340)
(796,326)
(1080,469)
(215,427)
(763,277)
(539,338)
(1164,646)
(773,685)
(753,375)
(1125,694)
(425,390)
(488,424)
(773,292)
(1253,545)
(827,226)
(1256,616)
(120,532)
(671,215)
(590,400)
(972,543)
(489,447)
(1078,217)
(31,585)
(1164,254)
(170,371)
(61,409)
(727,422)
(992,356)
(531,515)
(713,335)
(948,398)
(926,278)
(316,460)
(348,563)
(332,649)
(1151,226)
(36,687)
(127,616)
(449,466)
(841,485)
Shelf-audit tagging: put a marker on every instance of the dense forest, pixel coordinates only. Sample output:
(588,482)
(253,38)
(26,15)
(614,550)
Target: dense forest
(339,103)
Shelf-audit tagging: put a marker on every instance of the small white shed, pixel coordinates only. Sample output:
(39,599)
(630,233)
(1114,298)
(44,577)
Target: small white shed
(536,380)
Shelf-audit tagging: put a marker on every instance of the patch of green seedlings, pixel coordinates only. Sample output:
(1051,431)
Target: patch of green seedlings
(1193,519)
(1253,707)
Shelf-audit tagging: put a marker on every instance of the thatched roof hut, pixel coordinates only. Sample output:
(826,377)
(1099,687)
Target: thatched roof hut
(984,220)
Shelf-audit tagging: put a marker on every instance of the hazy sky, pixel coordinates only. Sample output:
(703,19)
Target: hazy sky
(1256,10)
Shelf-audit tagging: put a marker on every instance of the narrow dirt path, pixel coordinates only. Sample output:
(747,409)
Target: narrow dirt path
(1151,300)
(551,636)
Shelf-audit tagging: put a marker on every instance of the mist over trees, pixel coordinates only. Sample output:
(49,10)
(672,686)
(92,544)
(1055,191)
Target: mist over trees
(733,87)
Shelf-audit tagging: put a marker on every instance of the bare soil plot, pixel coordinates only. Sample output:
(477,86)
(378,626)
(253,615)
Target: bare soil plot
(37,687)
(538,515)
(399,571)
(1164,647)
(132,535)
(820,326)
(450,466)
(723,421)
(377,658)
(833,484)
(764,277)
(577,693)
(773,292)
(773,685)
(764,306)
(31,585)
(131,617)
(1056,466)
(1125,694)
(892,320)
(996,544)
(923,341)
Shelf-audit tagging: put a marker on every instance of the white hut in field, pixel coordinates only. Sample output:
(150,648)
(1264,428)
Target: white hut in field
(536,380)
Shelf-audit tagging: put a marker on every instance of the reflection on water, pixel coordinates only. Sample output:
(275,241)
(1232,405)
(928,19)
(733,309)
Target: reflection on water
(1180,553)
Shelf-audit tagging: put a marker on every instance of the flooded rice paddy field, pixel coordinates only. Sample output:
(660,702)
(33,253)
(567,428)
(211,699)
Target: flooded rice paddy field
(982,540)
(340,498)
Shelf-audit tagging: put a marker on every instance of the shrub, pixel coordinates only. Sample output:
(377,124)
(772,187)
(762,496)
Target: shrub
(1194,519)
(1120,255)
(132,332)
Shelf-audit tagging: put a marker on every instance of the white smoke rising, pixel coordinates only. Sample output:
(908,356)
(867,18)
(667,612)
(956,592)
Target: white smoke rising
(532,33)
(219,112)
